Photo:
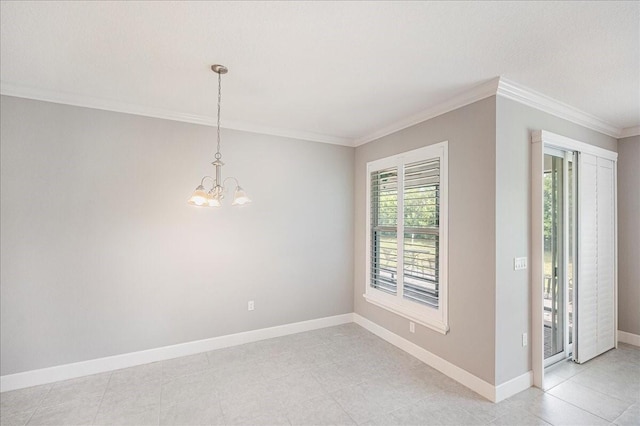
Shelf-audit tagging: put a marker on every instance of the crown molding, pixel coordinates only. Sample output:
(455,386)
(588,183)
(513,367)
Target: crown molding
(470,96)
(629,132)
(498,86)
(285,133)
(524,95)
(10,89)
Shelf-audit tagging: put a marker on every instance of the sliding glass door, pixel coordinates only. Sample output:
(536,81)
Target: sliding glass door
(559,242)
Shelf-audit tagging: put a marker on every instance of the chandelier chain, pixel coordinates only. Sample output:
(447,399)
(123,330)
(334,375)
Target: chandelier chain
(218,155)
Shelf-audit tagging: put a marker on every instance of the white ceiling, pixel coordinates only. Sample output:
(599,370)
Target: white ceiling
(332,71)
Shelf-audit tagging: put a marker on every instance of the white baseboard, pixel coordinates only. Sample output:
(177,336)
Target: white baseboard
(101,365)
(476,384)
(513,386)
(629,338)
(116,362)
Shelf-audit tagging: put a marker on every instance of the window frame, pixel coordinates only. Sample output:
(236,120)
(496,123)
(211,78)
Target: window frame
(428,316)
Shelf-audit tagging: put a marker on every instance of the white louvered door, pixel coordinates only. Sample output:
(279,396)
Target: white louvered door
(596,258)
(606,271)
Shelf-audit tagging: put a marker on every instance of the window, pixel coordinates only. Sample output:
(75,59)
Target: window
(407,235)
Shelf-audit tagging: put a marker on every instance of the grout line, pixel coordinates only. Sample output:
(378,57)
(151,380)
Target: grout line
(341,407)
(596,391)
(580,408)
(39,404)
(161,384)
(95,416)
(557,384)
(535,415)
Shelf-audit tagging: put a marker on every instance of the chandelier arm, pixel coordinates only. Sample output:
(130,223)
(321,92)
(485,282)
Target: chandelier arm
(213,179)
(224,182)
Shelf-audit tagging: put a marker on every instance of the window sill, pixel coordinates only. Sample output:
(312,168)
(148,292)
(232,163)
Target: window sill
(433,324)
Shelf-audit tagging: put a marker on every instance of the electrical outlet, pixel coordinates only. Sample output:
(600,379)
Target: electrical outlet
(250,306)
(524,339)
(519,263)
(412,327)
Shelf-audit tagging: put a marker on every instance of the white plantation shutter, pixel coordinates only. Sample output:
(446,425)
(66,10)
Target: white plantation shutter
(406,242)
(596,258)
(587,289)
(421,234)
(606,253)
(384,230)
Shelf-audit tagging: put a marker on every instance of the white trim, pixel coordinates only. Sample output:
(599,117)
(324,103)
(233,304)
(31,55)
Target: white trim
(434,318)
(9,89)
(565,143)
(537,256)
(501,86)
(476,384)
(629,132)
(628,338)
(498,86)
(116,362)
(524,95)
(514,386)
(403,312)
(615,254)
(465,98)
(285,133)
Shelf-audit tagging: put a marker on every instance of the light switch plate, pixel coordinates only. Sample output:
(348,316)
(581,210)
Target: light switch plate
(519,263)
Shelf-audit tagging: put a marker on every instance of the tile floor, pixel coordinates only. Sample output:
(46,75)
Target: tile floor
(340,375)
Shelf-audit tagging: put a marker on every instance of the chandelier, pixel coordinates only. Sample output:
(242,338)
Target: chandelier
(212,197)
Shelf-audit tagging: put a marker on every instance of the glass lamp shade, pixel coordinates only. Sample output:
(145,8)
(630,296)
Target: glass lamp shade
(240,197)
(199,197)
(213,198)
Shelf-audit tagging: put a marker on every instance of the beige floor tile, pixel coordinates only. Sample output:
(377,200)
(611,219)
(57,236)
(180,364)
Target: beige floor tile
(75,412)
(322,410)
(558,412)
(434,411)
(85,388)
(630,417)
(520,418)
(368,400)
(296,387)
(22,400)
(140,373)
(127,418)
(185,365)
(196,411)
(594,402)
(19,418)
(256,401)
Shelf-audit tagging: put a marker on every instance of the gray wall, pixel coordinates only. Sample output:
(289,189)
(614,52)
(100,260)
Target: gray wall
(629,235)
(471,135)
(101,255)
(514,124)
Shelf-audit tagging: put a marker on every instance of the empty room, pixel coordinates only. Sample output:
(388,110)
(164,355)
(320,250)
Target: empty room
(319,213)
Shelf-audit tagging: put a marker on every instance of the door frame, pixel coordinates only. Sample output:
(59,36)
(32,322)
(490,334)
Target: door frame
(539,140)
